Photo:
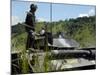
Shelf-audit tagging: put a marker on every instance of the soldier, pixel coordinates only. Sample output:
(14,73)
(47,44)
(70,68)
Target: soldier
(30,28)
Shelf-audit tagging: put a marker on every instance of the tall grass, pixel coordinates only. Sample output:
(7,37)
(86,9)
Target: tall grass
(24,64)
(40,61)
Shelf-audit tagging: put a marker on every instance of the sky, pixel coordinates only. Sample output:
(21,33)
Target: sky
(59,11)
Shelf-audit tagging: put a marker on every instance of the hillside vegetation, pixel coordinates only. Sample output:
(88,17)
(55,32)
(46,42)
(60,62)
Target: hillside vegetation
(81,29)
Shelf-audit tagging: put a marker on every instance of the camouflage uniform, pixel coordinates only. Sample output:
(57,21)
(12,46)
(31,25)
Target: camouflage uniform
(30,21)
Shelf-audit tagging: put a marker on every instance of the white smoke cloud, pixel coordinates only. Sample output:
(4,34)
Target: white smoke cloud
(82,15)
(15,20)
(41,19)
(91,12)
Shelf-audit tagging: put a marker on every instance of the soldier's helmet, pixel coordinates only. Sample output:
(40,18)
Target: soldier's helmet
(33,7)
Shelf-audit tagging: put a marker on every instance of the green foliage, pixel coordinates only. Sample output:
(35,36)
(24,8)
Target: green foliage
(24,62)
(38,26)
(82,29)
(85,37)
(18,42)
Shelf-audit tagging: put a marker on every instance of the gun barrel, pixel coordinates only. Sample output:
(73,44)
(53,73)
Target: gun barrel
(88,54)
(66,54)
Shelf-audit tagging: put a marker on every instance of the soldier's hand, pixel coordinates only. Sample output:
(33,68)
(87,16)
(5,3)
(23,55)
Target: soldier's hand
(33,33)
